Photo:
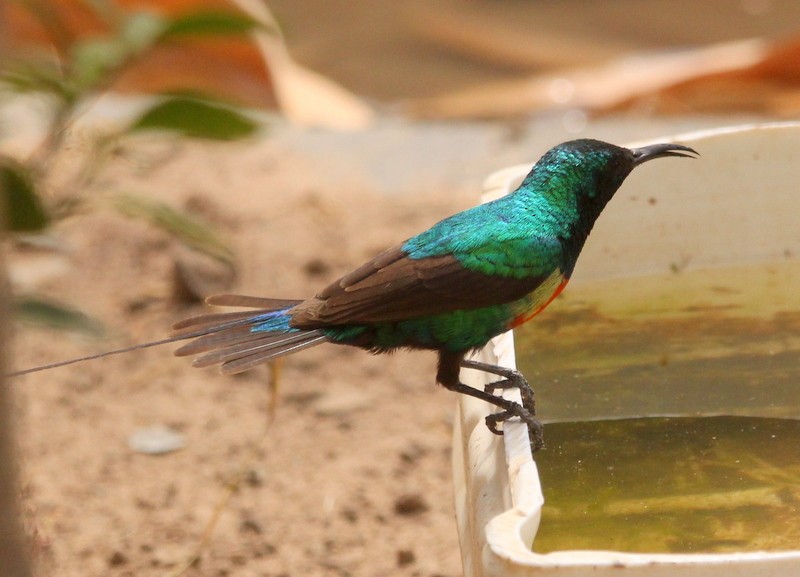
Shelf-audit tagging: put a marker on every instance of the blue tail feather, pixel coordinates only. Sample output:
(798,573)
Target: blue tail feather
(275,321)
(239,342)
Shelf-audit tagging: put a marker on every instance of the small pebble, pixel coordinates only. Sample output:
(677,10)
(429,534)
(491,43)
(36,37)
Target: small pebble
(117,558)
(411,504)
(316,267)
(250,526)
(350,515)
(405,557)
(156,440)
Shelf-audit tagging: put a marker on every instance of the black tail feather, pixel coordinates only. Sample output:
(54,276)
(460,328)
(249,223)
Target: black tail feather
(269,345)
(246,362)
(209,342)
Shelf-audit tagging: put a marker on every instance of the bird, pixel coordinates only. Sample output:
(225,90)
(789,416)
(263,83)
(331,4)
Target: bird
(450,289)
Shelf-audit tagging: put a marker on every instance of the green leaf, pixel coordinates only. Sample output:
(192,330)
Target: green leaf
(42,312)
(196,118)
(23,207)
(188,229)
(212,23)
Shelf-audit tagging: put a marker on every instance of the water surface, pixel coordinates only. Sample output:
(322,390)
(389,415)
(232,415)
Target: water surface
(716,349)
(672,485)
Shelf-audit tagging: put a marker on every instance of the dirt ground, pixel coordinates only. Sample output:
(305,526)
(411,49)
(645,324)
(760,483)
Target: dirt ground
(353,478)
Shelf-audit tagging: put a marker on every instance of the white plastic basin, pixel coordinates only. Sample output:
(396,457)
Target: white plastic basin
(743,193)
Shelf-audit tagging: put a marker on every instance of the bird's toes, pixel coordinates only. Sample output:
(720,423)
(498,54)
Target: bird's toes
(535,427)
(525,391)
(493,420)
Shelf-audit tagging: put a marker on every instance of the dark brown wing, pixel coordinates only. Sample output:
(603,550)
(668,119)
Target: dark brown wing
(393,287)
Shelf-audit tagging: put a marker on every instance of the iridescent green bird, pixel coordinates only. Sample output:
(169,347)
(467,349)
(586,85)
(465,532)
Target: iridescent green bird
(449,289)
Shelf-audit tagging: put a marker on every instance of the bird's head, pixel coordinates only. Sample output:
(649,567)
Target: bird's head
(580,176)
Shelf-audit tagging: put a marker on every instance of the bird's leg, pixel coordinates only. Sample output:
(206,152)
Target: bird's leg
(448,377)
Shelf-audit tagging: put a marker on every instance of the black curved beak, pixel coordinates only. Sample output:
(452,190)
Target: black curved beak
(652,151)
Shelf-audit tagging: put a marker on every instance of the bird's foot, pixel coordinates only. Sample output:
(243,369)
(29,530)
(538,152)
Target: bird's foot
(511,379)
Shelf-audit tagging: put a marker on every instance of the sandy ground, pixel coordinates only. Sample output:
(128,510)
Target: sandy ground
(354,476)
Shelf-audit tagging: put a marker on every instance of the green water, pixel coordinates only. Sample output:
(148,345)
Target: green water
(676,485)
(609,356)
(718,341)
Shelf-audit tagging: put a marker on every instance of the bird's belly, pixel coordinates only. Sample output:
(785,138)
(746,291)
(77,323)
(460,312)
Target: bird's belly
(534,302)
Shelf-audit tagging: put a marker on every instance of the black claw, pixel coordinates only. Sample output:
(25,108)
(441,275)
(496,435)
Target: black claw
(536,435)
(493,420)
(535,428)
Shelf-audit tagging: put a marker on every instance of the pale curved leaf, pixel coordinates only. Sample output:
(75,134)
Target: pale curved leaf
(188,229)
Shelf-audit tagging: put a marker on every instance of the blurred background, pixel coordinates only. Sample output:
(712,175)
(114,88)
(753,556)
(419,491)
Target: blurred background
(468,59)
(155,152)
(379,65)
